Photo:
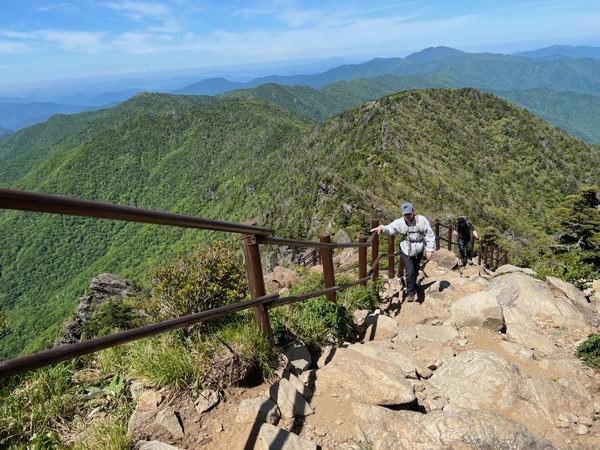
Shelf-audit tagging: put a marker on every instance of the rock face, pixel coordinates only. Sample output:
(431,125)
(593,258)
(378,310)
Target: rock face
(480,361)
(101,287)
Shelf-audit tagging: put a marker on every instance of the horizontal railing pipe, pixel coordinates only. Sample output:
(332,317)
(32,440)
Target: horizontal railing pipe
(295,243)
(45,358)
(323,292)
(36,202)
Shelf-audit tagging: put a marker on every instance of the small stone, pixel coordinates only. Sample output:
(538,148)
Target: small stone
(581,429)
(585,420)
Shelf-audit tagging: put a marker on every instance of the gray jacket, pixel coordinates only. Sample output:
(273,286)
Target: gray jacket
(417,235)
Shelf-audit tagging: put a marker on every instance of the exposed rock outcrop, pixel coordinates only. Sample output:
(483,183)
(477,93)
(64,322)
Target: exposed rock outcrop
(102,287)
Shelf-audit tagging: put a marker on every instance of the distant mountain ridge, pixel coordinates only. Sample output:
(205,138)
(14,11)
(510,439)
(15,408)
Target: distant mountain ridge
(565,70)
(479,70)
(562,52)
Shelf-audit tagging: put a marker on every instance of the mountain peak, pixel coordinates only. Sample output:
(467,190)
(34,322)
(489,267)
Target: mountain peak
(434,54)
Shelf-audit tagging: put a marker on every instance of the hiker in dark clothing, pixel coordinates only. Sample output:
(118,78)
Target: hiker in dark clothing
(464,228)
(417,237)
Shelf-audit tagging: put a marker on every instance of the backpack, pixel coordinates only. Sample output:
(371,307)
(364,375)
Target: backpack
(416,229)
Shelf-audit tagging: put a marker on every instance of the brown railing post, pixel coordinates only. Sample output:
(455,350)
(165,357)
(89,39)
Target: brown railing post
(256,281)
(375,251)
(327,261)
(436,229)
(362,259)
(479,247)
(390,250)
(450,237)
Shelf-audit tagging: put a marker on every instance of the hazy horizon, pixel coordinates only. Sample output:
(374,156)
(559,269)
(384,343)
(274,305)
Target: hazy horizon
(49,41)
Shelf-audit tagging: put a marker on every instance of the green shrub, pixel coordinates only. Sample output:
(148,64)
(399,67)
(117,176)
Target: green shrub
(572,267)
(317,322)
(211,278)
(589,351)
(359,297)
(110,316)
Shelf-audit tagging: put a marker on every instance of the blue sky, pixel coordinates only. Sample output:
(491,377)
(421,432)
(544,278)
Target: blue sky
(54,39)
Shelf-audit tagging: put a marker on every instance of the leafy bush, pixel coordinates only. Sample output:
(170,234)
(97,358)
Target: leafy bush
(359,297)
(111,315)
(317,321)
(211,278)
(589,351)
(572,267)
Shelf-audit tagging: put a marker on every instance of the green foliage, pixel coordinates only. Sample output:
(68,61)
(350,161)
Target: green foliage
(589,351)
(491,235)
(166,360)
(572,267)
(580,220)
(359,297)
(111,316)
(211,278)
(252,350)
(317,321)
(35,405)
(108,434)
(576,258)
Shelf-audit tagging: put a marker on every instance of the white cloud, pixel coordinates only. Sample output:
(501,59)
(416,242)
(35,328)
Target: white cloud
(52,7)
(15,48)
(76,41)
(140,10)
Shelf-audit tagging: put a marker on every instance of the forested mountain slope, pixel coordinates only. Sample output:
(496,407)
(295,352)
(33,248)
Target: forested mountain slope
(449,151)
(161,152)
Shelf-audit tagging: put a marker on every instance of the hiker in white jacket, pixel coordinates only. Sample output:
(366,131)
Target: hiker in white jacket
(417,237)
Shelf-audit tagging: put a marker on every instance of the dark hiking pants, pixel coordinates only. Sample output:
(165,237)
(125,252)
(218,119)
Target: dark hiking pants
(411,270)
(464,249)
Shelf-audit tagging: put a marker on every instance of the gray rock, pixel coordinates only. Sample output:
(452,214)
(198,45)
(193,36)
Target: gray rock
(207,400)
(288,399)
(298,356)
(458,429)
(479,309)
(271,437)
(167,419)
(364,379)
(101,288)
(154,445)
(509,268)
(260,409)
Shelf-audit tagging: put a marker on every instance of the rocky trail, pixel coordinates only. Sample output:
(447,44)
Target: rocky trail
(480,361)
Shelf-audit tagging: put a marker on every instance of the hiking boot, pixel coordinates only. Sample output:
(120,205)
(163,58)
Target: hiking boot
(410,297)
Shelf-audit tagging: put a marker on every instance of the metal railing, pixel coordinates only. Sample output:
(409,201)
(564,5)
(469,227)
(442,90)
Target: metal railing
(491,255)
(252,237)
